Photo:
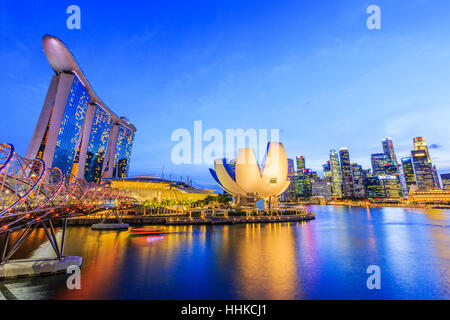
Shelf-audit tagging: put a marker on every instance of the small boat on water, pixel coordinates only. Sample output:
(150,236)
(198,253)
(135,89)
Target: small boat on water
(149,232)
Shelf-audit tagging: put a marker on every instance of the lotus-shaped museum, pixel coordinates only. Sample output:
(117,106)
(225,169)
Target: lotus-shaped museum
(245,179)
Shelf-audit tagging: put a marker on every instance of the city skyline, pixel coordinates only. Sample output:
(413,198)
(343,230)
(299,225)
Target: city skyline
(177,64)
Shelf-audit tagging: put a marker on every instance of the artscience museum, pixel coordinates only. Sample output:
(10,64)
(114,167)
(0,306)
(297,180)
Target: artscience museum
(248,182)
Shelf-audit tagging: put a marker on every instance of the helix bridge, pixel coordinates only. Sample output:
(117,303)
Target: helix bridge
(33,195)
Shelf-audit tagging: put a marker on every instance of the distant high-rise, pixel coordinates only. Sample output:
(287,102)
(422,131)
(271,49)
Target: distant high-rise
(358,174)
(421,145)
(321,188)
(388,148)
(381,163)
(300,163)
(76,132)
(289,194)
(303,181)
(445,177)
(336,179)
(373,188)
(422,170)
(327,170)
(389,187)
(408,172)
(346,172)
(437,183)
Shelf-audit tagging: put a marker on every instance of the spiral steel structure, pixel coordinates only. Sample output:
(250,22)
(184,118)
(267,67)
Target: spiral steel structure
(31,193)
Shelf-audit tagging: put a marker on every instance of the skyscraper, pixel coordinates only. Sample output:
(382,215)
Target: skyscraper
(445,177)
(408,171)
(381,164)
(358,174)
(327,171)
(346,171)
(389,187)
(289,194)
(437,183)
(76,132)
(421,145)
(388,148)
(422,170)
(321,188)
(336,178)
(373,187)
(300,163)
(303,181)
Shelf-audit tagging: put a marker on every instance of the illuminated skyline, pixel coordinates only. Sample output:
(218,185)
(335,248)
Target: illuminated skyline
(332,81)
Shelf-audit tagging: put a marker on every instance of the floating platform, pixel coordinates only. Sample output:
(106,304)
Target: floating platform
(110,226)
(37,267)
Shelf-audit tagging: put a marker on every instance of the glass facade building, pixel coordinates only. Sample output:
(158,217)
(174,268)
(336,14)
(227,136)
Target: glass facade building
(346,171)
(327,170)
(358,174)
(373,188)
(382,165)
(408,171)
(388,148)
(421,145)
(70,129)
(300,163)
(336,180)
(423,170)
(123,152)
(445,177)
(76,132)
(98,142)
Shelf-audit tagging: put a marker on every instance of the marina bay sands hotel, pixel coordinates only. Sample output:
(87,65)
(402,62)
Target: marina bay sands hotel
(76,131)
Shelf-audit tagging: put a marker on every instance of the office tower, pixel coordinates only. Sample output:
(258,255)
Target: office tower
(403,185)
(445,177)
(291,169)
(300,163)
(321,188)
(408,171)
(389,187)
(303,181)
(373,187)
(422,170)
(336,179)
(381,164)
(346,172)
(437,183)
(76,132)
(289,194)
(421,145)
(388,148)
(327,170)
(358,181)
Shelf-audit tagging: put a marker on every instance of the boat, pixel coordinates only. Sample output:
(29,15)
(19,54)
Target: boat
(149,232)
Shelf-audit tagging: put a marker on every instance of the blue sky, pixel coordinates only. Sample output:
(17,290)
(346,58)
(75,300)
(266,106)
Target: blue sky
(310,68)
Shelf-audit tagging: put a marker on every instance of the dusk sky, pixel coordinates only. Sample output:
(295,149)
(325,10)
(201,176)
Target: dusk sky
(309,68)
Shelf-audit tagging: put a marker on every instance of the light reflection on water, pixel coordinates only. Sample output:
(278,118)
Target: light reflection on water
(321,259)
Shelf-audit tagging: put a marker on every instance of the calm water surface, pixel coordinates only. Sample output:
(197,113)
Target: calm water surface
(322,259)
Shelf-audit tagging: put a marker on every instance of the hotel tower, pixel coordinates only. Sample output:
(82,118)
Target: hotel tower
(76,132)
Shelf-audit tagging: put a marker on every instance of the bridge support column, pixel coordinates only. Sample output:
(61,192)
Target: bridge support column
(111,226)
(32,267)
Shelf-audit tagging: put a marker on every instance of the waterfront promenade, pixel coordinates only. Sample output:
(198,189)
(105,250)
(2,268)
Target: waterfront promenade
(208,220)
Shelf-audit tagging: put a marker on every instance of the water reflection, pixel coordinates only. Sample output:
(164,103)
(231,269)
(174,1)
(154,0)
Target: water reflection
(323,259)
